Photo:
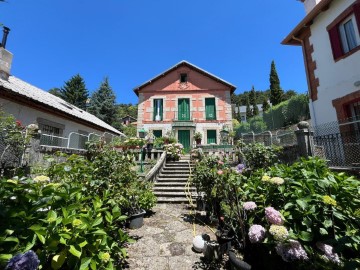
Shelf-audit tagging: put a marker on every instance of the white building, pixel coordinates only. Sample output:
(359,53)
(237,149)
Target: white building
(330,38)
(242,111)
(55,117)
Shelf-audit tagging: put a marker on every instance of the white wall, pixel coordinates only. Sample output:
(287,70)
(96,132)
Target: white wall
(336,79)
(29,115)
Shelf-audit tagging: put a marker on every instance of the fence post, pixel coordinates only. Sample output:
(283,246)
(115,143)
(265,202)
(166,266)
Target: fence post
(304,139)
(31,153)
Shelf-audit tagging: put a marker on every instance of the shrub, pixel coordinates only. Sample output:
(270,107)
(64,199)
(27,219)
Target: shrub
(257,124)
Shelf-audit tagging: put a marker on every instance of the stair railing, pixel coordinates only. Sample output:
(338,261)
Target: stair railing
(154,172)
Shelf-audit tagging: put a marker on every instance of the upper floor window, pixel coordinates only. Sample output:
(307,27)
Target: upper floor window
(210,109)
(349,34)
(158,110)
(183,78)
(344,32)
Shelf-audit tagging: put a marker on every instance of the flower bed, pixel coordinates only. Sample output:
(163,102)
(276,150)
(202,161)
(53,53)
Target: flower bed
(298,216)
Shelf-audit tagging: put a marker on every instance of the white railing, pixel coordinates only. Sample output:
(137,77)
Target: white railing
(75,140)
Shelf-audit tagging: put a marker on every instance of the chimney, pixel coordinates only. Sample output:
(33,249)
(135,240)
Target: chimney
(5,57)
(310,4)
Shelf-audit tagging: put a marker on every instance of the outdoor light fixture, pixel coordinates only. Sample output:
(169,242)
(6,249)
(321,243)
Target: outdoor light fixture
(142,133)
(224,134)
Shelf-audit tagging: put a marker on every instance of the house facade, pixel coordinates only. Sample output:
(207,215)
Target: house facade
(330,38)
(183,100)
(56,118)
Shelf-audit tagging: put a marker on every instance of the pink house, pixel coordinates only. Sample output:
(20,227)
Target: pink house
(183,100)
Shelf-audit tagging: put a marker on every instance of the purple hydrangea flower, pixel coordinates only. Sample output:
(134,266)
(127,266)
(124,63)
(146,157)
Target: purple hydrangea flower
(256,233)
(240,168)
(329,252)
(273,216)
(249,206)
(291,251)
(26,261)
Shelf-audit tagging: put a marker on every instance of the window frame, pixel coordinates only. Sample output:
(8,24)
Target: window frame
(336,41)
(344,35)
(183,77)
(206,111)
(161,112)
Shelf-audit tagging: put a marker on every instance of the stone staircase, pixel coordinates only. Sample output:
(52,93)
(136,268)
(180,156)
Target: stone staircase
(169,186)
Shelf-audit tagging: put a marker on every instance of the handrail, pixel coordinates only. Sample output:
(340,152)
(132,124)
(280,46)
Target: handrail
(155,170)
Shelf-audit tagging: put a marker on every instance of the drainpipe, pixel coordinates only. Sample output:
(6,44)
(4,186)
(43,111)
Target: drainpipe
(307,74)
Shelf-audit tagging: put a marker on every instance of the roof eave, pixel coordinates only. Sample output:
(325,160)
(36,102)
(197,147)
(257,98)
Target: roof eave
(291,39)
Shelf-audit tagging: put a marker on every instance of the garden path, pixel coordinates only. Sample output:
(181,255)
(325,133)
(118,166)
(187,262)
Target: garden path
(165,241)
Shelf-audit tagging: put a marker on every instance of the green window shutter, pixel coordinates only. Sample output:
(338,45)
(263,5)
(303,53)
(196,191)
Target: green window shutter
(155,109)
(211,136)
(183,109)
(161,109)
(210,110)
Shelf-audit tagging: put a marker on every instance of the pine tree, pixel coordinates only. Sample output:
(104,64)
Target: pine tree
(265,105)
(276,93)
(255,110)
(75,92)
(102,103)
(55,91)
(248,110)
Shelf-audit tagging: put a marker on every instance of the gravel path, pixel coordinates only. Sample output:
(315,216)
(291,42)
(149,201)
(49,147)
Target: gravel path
(165,241)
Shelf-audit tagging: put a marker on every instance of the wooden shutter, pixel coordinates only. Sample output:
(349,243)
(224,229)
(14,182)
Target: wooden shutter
(211,136)
(184,109)
(210,109)
(357,15)
(335,41)
(155,109)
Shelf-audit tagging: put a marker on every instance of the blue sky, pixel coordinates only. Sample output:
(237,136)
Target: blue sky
(131,41)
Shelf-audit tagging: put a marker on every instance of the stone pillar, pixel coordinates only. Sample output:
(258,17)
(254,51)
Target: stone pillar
(32,149)
(304,139)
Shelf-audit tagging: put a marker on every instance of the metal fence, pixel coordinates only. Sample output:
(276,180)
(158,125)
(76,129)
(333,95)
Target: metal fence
(74,140)
(268,138)
(338,142)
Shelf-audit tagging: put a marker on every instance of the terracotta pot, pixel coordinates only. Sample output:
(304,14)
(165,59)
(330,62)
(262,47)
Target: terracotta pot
(198,141)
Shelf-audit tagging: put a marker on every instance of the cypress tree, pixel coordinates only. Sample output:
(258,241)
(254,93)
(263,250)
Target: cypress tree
(75,92)
(248,110)
(102,103)
(276,93)
(265,105)
(255,110)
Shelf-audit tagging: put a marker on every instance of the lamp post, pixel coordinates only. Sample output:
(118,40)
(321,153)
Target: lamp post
(142,133)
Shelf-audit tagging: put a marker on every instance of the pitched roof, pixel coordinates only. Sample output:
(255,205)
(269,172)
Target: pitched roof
(291,38)
(185,63)
(17,86)
(129,117)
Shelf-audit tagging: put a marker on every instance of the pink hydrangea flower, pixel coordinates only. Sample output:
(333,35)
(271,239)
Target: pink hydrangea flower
(220,162)
(273,216)
(329,252)
(220,172)
(256,233)
(291,251)
(249,206)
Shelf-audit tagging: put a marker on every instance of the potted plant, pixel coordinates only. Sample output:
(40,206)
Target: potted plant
(197,137)
(173,151)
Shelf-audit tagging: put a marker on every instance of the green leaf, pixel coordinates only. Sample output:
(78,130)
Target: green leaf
(30,244)
(328,223)
(306,236)
(97,221)
(110,266)
(99,232)
(288,205)
(85,263)
(41,237)
(83,244)
(36,227)
(303,205)
(58,260)
(74,251)
(11,239)
(5,257)
(323,231)
(93,265)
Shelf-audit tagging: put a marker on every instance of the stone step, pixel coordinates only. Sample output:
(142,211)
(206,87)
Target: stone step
(173,194)
(170,180)
(170,184)
(168,175)
(172,200)
(171,172)
(176,168)
(172,189)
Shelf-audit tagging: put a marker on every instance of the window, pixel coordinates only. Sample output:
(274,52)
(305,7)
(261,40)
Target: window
(158,110)
(211,136)
(183,77)
(157,133)
(184,109)
(51,133)
(210,109)
(344,32)
(349,34)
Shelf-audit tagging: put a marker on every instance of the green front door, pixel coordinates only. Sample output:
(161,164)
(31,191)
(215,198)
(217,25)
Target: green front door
(184,139)
(184,109)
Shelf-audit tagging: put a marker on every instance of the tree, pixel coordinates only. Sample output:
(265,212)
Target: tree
(289,94)
(74,91)
(55,91)
(265,105)
(276,93)
(253,103)
(248,110)
(102,103)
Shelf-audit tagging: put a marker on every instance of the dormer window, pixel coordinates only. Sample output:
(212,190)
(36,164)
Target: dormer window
(183,78)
